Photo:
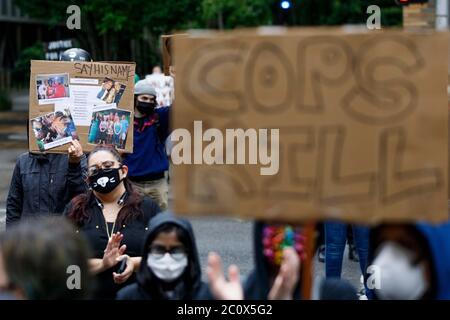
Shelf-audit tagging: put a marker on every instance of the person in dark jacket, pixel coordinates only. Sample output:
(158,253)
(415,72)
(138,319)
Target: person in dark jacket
(148,162)
(409,262)
(43,183)
(278,250)
(114,218)
(170,267)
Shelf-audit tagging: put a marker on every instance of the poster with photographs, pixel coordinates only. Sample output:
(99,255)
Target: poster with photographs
(110,126)
(64,95)
(51,88)
(54,129)
(111,91)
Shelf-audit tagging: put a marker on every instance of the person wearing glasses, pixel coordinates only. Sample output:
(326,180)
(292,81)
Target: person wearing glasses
(114,219)
(170,265)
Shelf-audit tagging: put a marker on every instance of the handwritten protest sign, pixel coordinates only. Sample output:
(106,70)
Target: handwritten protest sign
(361,118)
(89,101)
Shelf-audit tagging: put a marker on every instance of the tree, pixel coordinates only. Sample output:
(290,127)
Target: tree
(338,12)
(229,14)
(119,29)
(130,29)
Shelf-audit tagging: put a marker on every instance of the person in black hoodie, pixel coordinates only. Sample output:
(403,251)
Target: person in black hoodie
(278,250)
(170,266)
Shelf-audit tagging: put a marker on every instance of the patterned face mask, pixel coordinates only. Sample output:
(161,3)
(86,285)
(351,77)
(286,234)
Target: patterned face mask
(277,237)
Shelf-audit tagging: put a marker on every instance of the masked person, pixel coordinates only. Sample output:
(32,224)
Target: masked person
(278,252)
(43,183)
(170,266)
(148,162)
(409,262)
(114,218)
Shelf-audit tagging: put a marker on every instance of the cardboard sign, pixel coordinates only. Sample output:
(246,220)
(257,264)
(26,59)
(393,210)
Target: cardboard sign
(166,45)
(89,101)
(360,121)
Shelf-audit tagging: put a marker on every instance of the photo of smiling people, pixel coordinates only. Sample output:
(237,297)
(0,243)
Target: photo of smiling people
(110,126)
(54,129)
(111,91)
(52,87)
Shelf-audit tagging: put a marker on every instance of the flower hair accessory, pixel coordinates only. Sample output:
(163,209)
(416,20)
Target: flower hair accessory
(278,237)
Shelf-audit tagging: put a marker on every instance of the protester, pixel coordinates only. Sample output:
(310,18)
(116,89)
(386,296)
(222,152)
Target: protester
(411,262)
(37,259)
(43,183)
(148,162)
(278,250)
(335,239)
(170,267)
(111,214)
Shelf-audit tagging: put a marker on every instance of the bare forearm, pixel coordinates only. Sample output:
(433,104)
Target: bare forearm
(136,263)
(96,266)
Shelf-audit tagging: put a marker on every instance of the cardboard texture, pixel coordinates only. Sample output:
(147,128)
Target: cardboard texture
(122,72)
(362,119)
(166,41)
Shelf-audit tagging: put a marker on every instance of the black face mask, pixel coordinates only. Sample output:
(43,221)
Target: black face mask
(105,181)
(145,107)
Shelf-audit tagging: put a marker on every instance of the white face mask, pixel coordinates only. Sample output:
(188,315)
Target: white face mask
(399,278)
(167,268)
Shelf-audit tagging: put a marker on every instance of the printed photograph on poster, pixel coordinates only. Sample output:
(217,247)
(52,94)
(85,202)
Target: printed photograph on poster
(52,87)
(111,91)
(110,127)
(54,129)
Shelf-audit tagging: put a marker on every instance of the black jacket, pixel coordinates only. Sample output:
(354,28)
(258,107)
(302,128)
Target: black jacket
(93,229)
(257,286)
(43,184)
(147,285)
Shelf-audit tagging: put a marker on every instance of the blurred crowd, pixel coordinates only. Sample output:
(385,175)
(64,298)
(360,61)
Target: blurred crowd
(97,226)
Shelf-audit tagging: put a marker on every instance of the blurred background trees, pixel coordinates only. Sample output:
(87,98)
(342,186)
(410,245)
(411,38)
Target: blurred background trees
(130,29)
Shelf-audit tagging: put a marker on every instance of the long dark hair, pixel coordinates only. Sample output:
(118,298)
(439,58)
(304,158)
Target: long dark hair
(131,209)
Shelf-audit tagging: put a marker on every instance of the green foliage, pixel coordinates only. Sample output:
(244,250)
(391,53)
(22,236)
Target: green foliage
(21,72)
(5,102)
(108,26)
(231,14)
(338,12)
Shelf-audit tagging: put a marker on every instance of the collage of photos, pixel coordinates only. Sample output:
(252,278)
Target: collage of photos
(50,87)
(54,129)
(110,126)
(111,91)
